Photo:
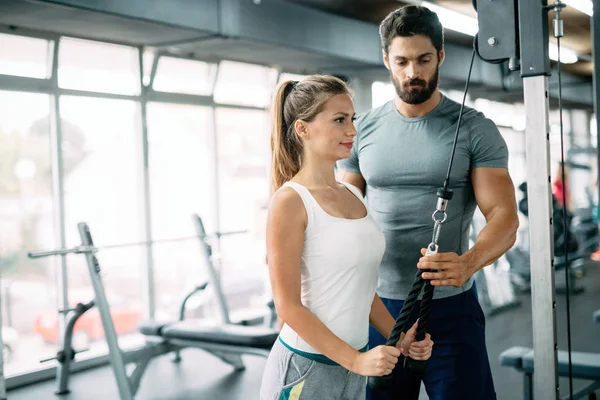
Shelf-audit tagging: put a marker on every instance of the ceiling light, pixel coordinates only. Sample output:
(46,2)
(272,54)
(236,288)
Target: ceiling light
(454,20)
(585,6)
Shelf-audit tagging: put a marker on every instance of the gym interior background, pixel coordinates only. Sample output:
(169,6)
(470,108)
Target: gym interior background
(132,116)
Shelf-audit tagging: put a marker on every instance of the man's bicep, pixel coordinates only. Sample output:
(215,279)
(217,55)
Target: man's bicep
(353,178)
(494,190)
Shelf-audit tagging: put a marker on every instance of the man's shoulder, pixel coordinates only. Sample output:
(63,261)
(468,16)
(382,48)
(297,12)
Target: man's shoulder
(375,114)
(369,121)
(472,119)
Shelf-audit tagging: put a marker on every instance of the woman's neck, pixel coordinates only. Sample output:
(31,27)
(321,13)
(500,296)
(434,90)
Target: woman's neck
(317,175)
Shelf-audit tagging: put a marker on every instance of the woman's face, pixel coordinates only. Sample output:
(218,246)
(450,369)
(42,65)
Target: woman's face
(330,135)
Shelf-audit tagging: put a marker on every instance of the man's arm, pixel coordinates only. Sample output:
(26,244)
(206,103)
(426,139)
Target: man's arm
(495,195)
(352,178)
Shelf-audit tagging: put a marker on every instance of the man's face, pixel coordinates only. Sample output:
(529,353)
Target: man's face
(414,67)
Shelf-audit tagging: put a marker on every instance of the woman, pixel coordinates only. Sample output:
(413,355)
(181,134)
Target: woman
(323,251)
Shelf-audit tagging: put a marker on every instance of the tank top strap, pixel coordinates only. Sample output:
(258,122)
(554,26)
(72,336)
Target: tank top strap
(310,204)
(355,191)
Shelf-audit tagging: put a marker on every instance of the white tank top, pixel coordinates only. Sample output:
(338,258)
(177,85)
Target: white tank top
(339,270)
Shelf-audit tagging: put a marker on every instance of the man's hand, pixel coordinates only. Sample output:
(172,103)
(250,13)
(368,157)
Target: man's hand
(416,350)
(452,270)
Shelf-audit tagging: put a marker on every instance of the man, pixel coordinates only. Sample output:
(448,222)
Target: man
(399,160)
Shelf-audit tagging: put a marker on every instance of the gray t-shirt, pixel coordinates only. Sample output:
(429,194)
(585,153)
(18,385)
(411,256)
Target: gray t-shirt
(404,161)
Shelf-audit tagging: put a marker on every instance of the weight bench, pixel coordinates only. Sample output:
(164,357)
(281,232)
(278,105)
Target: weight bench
(225,340)
(584,366)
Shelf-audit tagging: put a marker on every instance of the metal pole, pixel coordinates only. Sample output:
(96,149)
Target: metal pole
(213,276)
(363,94)
(114,351)
(595,24)
(214,138)
(148,290)
(535,69)
(2,380)
(545,378)
(62,283)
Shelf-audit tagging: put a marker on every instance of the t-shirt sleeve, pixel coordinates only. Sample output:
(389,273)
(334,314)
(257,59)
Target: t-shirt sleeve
(488,148)
(351,163)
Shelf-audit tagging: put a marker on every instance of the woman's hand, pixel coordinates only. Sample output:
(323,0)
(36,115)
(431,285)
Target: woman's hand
(378,361)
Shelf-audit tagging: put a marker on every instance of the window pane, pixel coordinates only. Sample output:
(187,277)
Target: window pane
(244,84)
(382,92)
(244,158)
(102,188)
(289,77)
(98,67)
(181,183)
(121,278)
(26,224)
(181,168)
(101,158)
(24,56)
(184,76)
(244,274)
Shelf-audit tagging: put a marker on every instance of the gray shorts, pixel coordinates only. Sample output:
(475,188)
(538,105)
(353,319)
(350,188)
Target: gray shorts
(289,375)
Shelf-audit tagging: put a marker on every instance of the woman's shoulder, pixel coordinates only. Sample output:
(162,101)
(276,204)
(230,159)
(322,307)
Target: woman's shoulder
(286,201)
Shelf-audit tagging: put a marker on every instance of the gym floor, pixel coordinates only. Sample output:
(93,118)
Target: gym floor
(200,376)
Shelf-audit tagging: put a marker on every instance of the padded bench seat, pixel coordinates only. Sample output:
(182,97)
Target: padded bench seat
(584,365)
(236,335)
(597,316)
(513,357)
(152,328)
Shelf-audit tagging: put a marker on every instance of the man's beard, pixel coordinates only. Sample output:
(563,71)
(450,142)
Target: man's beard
(416,95)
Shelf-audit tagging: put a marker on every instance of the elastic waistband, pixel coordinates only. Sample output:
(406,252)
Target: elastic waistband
(320,358)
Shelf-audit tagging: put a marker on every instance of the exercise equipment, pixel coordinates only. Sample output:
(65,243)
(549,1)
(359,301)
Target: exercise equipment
(585,228)
(585,366)
(416,368)
(572,259)
(523,25)
(66,354)
(518,256)
(226,341)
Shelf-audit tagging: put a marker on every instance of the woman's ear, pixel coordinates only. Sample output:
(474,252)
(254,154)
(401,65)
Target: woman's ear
(301,128)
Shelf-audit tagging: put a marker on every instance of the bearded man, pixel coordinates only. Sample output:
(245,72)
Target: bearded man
(399,160)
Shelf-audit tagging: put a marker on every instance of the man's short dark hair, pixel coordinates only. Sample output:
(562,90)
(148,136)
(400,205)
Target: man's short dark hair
(410,21)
